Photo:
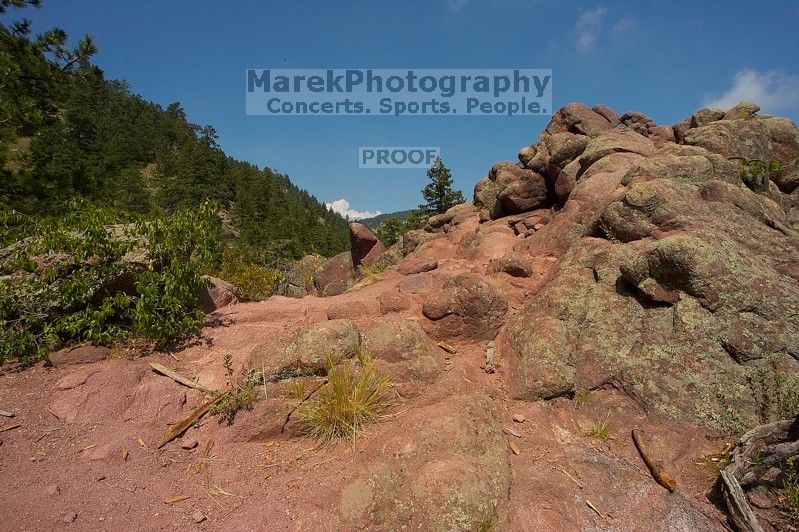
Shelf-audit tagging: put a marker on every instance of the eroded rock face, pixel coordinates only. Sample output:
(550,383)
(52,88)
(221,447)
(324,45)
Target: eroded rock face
(452,443)
(467,306)
(676,278)
(403,351)
(309,350)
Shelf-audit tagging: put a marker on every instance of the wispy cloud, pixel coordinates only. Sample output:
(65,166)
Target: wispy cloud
(457,5)
(623,28)
(773,90)
(588,26)
(342,207)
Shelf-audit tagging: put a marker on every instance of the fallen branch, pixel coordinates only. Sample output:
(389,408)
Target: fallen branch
(6,413)
(179,428)
(741,513)
(177,377)
(11,427)
(448,348)
(308,396)
(655,467)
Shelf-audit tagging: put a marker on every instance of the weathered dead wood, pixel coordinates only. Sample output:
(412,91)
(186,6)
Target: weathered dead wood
(764,447)
(655,466)
(10,427)
(308,396)
(448,348)
(177,377)
(738,507)
(6,413)
(179,428)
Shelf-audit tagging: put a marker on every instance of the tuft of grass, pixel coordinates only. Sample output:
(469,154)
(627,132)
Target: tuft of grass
(601,430)
(352,398)
(373,272)
(296,390)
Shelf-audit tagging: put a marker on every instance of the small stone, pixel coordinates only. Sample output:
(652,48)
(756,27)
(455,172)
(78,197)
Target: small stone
(759,500)
(518,418)
(188,443)
(53,490)
(198,516)
(70,517)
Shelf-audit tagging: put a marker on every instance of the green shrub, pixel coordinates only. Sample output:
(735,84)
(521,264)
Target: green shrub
(68,277)
(254,282)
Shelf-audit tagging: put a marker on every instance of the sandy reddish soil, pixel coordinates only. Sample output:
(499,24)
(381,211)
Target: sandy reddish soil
(84,456)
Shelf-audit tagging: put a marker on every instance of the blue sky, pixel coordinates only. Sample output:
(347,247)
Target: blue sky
(663,58)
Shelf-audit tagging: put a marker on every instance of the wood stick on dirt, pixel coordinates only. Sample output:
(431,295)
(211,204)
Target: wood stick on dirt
(448,348)
(6,413)
(11,427)
(655,466)
(182,426)
(308,396)
(177,377)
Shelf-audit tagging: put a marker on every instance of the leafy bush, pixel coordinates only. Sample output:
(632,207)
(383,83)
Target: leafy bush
(70,281)
(349,401)
(253,281)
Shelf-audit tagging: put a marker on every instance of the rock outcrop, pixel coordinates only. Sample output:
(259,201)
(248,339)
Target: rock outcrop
(673,255)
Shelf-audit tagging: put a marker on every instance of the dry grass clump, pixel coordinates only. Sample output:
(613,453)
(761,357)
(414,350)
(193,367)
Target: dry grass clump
(353,397)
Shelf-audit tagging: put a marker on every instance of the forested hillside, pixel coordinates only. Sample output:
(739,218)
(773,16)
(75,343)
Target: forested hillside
(68,133)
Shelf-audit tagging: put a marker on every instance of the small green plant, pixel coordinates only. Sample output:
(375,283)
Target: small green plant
(790,490)
(238,397)
(602,429)
(353,397)
(232,402)
(756,173)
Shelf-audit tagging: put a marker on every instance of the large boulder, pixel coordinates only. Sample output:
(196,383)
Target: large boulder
(577,118)
(308,351)
(219,293)
(466,306)
(336,276)
(403,351)
(365,247)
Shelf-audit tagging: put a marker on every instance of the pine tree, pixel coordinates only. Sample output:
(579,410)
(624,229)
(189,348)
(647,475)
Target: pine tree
(438,194)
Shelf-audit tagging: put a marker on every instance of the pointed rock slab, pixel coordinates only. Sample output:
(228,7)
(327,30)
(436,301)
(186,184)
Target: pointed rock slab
(365,247)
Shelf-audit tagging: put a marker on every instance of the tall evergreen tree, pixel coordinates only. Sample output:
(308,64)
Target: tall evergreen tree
(438,194)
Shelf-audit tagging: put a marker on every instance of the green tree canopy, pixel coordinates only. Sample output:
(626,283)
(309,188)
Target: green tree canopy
(438,194)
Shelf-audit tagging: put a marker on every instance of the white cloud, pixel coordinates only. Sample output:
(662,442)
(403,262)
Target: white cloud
(588,27)
(342,207)
(773,90)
